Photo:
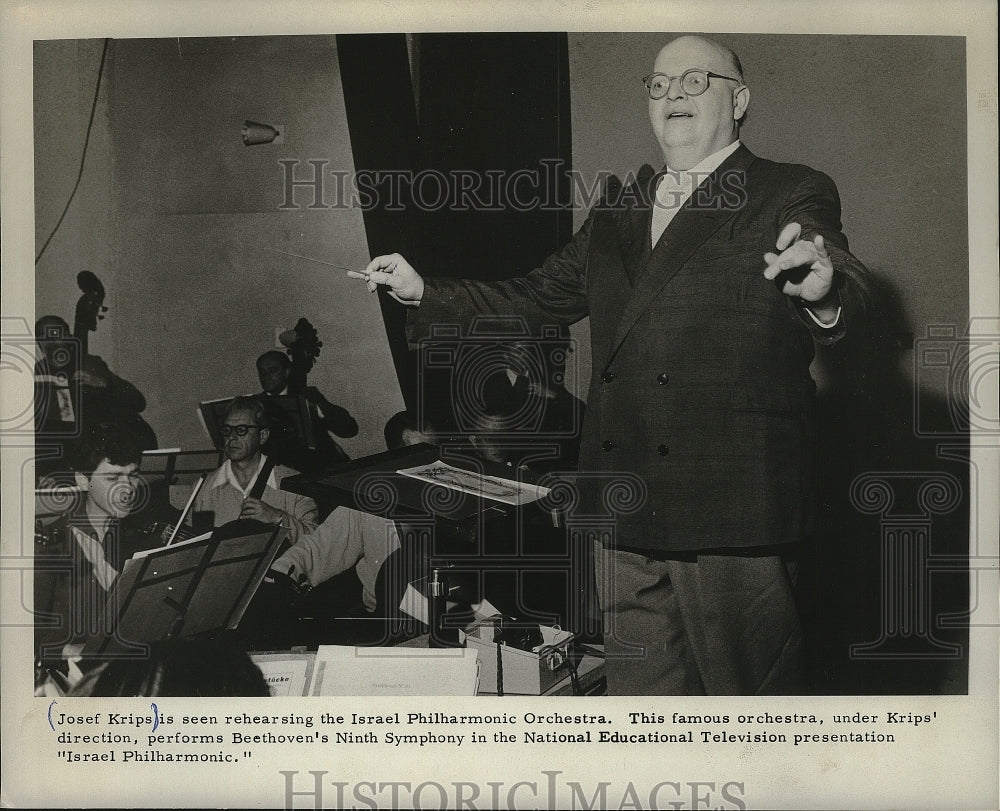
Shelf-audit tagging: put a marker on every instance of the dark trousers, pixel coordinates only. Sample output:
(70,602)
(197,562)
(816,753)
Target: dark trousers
(699,624)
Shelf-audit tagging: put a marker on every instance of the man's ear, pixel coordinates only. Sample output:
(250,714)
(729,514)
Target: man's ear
(265,433)
(83,482)
(741,100)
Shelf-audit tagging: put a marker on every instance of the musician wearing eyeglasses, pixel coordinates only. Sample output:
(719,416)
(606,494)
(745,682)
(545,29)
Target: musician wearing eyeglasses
(227,492)
(707,284)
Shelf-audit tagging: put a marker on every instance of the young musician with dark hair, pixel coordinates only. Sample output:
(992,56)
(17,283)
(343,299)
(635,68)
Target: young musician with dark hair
(78,558)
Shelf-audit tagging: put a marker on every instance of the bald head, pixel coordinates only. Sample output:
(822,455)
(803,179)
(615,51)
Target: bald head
(725,56)
(689,127)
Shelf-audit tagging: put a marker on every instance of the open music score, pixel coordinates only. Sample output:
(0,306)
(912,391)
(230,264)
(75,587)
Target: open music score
(476,484)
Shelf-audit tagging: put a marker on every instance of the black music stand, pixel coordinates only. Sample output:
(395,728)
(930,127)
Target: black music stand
(185,590)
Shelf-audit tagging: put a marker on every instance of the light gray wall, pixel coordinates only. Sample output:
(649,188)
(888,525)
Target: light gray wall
(179,213)
(65,75)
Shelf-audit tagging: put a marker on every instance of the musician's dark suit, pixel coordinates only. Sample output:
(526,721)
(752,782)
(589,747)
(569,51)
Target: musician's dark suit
(700,388)
(69,597)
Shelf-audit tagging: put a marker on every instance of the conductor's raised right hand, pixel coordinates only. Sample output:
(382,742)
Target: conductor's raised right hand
(392,270)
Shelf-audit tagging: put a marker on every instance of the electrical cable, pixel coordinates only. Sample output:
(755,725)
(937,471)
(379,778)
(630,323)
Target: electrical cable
(83,157)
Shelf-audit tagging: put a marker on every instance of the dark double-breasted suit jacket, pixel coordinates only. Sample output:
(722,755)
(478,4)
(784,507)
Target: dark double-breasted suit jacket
(700,393)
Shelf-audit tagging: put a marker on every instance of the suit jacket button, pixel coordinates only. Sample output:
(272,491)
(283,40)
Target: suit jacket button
(663,450)
(663,378)
(607,445)
(607,377)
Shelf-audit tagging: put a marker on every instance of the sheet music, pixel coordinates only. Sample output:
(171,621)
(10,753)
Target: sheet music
(476,484)
(343,670)
(286,674)
(146,552)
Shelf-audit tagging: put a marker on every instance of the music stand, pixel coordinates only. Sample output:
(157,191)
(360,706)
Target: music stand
(188,589)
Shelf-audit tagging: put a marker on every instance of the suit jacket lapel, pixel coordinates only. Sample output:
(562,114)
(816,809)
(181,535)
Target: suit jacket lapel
(633,234)
(691,226)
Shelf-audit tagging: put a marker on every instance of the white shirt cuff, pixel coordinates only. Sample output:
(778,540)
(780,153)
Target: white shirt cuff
(819,323)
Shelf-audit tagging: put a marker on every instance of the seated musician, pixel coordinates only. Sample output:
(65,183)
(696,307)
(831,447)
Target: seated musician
(348,542)
(227,491)
(352,546)
(72,392)
(274,370)
(79,557)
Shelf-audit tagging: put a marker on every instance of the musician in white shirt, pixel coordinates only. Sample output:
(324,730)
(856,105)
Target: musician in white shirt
(226,492)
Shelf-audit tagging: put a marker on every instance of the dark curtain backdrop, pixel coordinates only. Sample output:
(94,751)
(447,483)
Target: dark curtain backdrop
(452,110)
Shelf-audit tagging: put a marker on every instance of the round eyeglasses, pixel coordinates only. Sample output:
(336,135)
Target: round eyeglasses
(239,430)
(694,82)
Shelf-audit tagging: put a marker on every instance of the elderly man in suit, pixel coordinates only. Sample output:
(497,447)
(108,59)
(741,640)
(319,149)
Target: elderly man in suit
(707,284)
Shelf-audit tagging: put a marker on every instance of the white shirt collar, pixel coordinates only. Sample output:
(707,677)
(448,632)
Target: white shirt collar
(93,551)
(711,163)
(225,475)
(675,188)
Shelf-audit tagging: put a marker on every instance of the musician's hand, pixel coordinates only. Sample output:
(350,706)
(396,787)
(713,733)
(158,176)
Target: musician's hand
(259,511)
(296,585)
(392,270)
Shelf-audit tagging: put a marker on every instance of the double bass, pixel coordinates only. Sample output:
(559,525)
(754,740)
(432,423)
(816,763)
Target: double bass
(303,347)
(90,309)
(110,398)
